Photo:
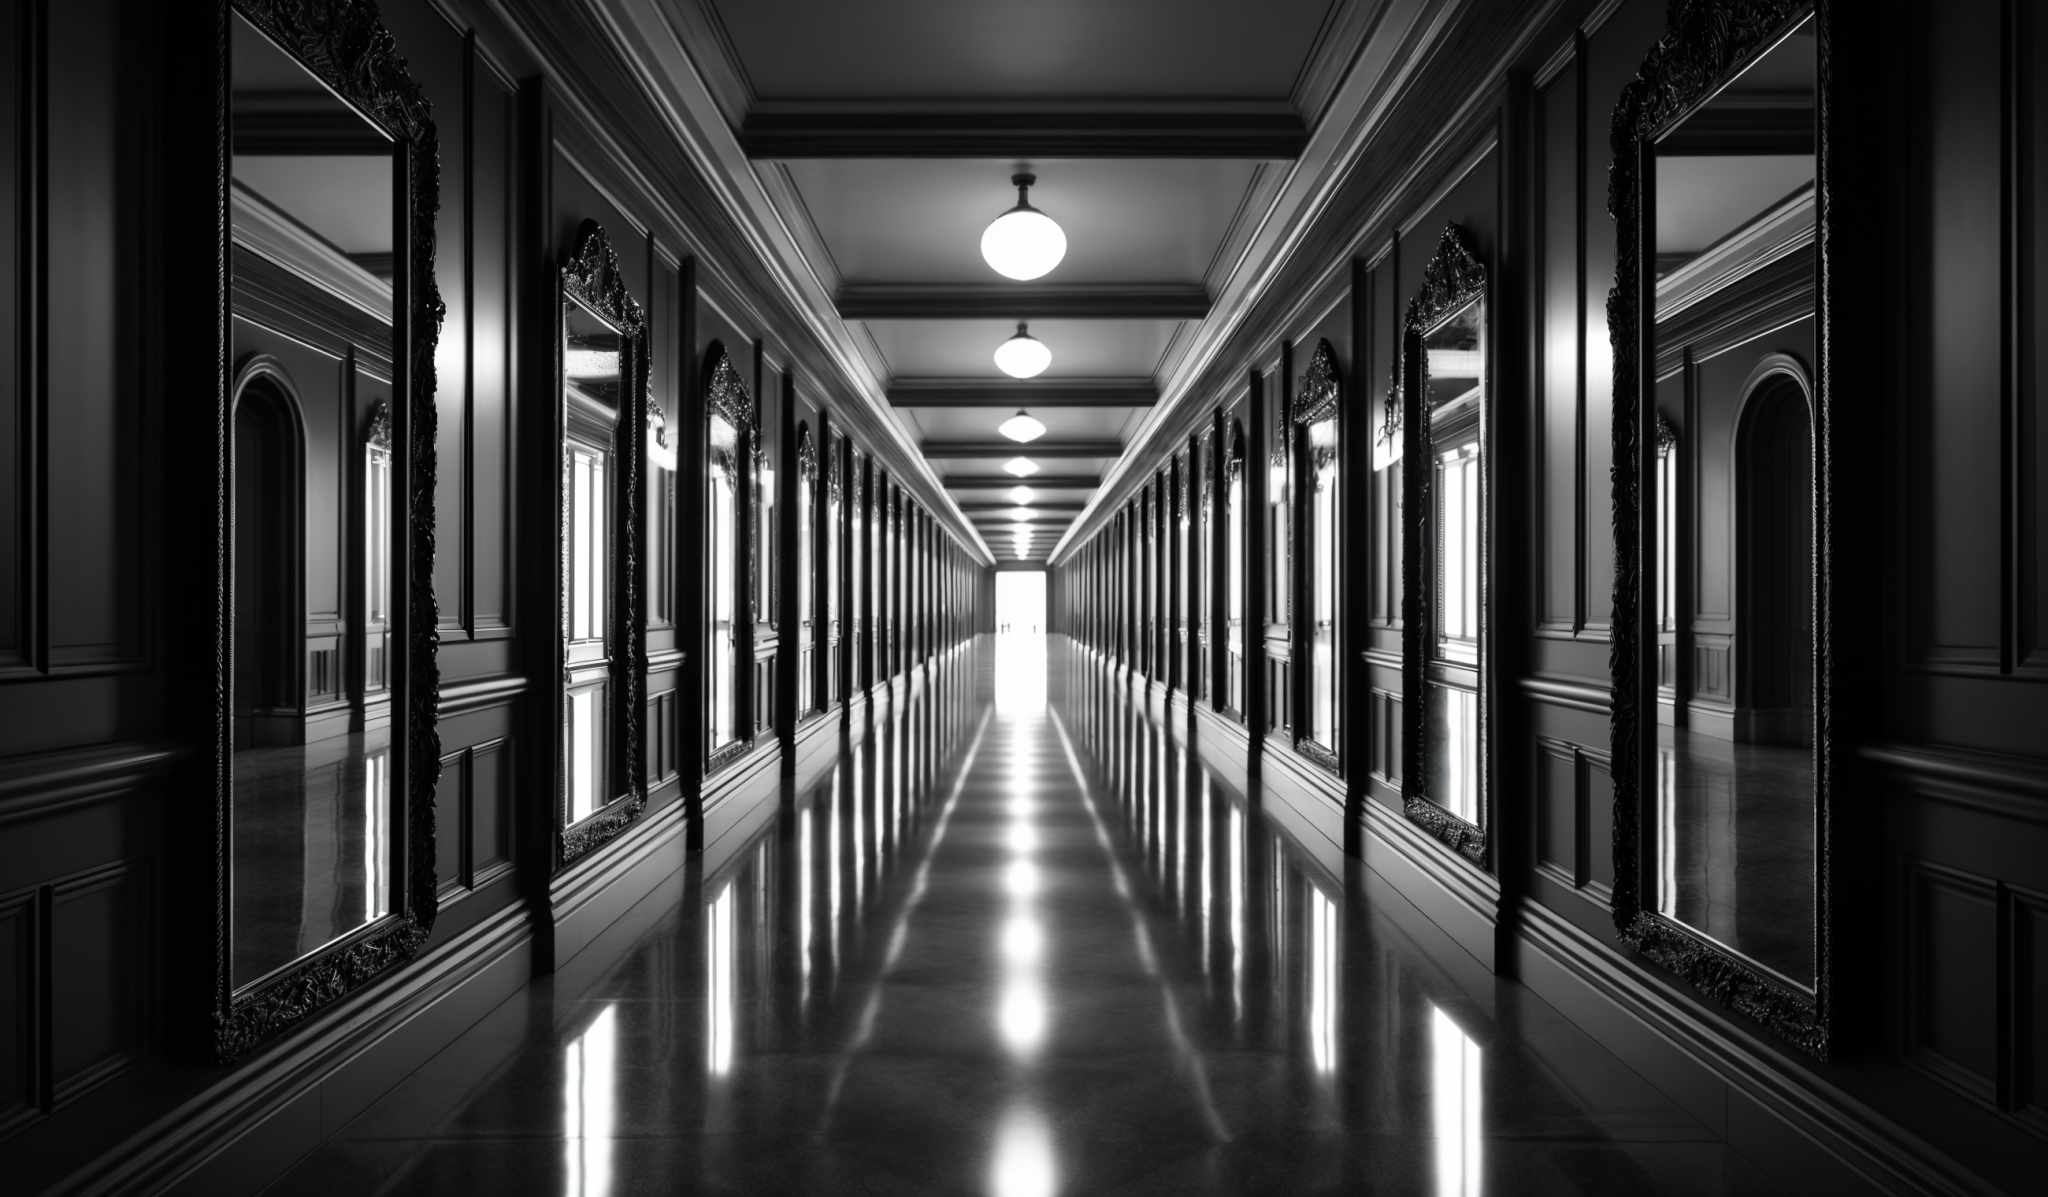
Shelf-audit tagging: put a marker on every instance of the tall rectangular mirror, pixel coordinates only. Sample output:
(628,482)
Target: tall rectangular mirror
(1719,764)
(603,410)
(328,872)
(1446,550)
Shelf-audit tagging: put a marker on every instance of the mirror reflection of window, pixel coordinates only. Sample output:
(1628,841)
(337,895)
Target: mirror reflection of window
(722,571)
(835,506)
(593,374)
(1731,521)
(314,486)
(1323,566)
(806,516)
(1455,399)
(1234,552)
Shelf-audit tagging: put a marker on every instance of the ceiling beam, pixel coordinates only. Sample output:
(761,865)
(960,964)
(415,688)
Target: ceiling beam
(1049,481)
(960,450)
(979,301)
(1042,508)
(828,130)
(982,392)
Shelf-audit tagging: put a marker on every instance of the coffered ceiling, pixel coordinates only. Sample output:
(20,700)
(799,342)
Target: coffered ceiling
(1180,144)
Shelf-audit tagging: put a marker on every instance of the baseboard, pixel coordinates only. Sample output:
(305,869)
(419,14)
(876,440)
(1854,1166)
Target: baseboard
(1309,801)
(738,802)
(244,1132)
(1769,1107)
(1221,742)
(1452,892)
(592,893)
(814,737)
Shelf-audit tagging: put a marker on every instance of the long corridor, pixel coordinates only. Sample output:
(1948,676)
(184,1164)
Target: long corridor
(1022,942)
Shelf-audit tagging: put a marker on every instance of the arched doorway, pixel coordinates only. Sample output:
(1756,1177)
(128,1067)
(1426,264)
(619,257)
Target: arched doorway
(269,464)
(1774,563)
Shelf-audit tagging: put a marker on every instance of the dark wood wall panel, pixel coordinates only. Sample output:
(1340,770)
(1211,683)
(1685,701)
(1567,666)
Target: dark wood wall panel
(1951,998)
(93,326)
(18,993)
(1959,443)
(491,164)
(1557,492)
(18,242)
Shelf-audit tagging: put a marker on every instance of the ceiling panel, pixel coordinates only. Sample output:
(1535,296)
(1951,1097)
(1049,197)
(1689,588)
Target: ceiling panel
(920,220)
(1061,423)
(966,348)
(1040,49)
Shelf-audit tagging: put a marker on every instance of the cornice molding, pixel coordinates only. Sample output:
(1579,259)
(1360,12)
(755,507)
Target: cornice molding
(1344,208)
(713,199)
(263,229)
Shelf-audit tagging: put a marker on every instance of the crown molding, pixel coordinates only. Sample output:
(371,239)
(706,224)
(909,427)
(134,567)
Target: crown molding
(670,139)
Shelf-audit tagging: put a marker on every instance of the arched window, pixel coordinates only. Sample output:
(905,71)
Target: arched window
(1316,407)
(729,417)
(270,686)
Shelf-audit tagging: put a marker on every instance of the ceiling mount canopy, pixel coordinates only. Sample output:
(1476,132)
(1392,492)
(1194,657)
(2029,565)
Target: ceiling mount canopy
(1023,243)
(1022,427)
(1023,356)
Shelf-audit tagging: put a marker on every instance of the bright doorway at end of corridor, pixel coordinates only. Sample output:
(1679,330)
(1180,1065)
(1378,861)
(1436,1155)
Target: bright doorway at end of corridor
(1020,642)
(1020,602)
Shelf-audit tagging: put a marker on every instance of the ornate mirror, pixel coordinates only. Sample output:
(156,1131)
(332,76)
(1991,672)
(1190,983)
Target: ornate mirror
(728,447)
(603,414)
(1446,555)
(1315,410)
(326,750)
(1720,655)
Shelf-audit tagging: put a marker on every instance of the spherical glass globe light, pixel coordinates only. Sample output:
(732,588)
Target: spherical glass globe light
(1020,467)
(1022,427)
(1023,356)
(1023,243)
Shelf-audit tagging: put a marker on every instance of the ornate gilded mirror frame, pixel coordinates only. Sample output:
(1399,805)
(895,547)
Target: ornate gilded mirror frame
(1454,279)
(590,277)
(345,44)
(1706,43)
(1319,398)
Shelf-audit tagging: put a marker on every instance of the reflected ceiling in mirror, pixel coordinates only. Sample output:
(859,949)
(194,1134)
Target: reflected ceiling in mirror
(1730,510)
(315,800)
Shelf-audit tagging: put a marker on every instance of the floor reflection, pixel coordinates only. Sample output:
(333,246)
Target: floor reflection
(312,846)
(1010,945)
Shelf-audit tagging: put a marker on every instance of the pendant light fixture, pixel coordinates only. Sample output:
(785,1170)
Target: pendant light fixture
(1023,243)
(1021,427)
(1020,467)
(1021,495)
(1023,355)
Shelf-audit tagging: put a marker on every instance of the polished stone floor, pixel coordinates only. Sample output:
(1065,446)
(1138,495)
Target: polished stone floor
(1018,947)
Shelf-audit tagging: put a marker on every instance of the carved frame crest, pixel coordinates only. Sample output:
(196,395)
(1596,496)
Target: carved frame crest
(346,45)
(1705,42)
